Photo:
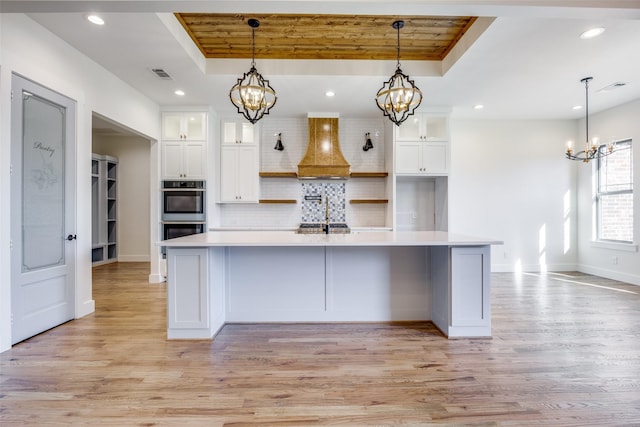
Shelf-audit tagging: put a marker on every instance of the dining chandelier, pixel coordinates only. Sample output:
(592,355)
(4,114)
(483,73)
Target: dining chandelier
(593,150)
(399,96)
(252,95)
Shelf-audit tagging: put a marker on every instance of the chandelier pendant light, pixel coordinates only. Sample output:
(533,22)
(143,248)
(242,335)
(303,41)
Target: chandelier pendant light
(593,150)
(252,95)
(398,97)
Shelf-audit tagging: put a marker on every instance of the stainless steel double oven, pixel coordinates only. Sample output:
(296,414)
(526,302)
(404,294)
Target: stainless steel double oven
(184,208)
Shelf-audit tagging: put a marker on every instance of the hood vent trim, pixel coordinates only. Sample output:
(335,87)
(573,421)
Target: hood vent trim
(323,158)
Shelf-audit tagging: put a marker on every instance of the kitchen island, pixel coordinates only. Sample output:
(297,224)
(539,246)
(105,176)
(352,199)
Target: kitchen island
(281,276)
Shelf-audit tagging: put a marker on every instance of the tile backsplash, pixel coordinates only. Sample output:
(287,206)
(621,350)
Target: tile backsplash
(317,197)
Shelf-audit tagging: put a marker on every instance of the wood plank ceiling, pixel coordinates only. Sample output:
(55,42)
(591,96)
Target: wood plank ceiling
(362,37)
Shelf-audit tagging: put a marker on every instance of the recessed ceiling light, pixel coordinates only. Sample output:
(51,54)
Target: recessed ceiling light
(577,107)
(95,19)
(478,107)
(330,93)
(179,92)
(591,33)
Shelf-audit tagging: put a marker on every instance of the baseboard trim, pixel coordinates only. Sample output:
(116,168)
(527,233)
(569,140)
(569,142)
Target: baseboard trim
(532,268)
(156,278)
(85,308)
(133,258)
(610,274)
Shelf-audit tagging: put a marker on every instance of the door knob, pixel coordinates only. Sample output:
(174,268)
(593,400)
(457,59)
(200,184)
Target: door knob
(71,237)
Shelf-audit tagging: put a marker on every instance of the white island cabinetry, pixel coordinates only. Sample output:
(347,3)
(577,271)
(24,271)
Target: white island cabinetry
(383,276)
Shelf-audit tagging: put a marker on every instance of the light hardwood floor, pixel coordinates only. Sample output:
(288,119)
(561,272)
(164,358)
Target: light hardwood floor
(565,352)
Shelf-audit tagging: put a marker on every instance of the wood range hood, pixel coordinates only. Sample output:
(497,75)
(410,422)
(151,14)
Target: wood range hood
(323,158)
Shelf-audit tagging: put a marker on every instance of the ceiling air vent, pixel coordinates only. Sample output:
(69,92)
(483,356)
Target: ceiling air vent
(161,74)
(612,86)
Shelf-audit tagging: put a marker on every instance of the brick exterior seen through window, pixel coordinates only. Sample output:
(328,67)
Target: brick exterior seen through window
(615,194)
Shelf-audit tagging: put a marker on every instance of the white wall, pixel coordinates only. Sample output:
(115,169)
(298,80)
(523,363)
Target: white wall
(509,180)
(133,186)
(620,122)
(32,51)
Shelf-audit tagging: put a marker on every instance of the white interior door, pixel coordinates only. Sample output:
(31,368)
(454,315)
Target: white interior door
(42,209)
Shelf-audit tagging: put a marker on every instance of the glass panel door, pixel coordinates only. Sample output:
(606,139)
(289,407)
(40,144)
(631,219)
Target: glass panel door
(42,183)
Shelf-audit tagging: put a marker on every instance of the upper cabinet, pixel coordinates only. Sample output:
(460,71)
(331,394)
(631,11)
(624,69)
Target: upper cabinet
(422,145)
(238,132)
(422,158)
(239,162)
(184,160)
(423,127)
(239,175)
(184,145)
(190,126)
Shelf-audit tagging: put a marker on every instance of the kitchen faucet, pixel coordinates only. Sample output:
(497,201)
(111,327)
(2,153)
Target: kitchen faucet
(326,214)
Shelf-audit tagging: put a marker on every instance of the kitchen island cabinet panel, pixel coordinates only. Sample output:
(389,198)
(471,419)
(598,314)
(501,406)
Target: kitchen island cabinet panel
(195,292)
(461,304)
(469,288)
(277,284)
(189,301)
(359,285)
(288,277)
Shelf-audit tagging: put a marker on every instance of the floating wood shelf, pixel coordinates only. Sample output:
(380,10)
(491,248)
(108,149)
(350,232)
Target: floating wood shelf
(278,174)
(281,201)
(372,201)
(369,174)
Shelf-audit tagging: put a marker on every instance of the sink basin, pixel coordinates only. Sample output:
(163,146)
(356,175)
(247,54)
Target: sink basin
(311,228)
(319,228)
(339,228)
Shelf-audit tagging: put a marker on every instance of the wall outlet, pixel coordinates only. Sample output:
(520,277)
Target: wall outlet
(614,260)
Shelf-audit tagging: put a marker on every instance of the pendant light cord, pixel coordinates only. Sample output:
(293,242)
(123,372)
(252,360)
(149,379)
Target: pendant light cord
(586,96)
(253,47)
(398,46)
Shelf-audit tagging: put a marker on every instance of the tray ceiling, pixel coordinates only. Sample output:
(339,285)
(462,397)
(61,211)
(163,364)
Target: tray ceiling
(282,36)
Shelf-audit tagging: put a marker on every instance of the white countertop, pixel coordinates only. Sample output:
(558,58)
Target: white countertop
(290,238)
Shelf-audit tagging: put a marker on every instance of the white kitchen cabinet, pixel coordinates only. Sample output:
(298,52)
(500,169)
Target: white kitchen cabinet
(423,127)
(188,279)
(461,290)
(238,132)
(422,158)
(184,126)
(239,173)
(184,145)
(184,160)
